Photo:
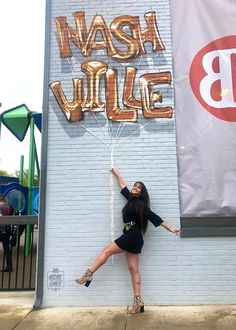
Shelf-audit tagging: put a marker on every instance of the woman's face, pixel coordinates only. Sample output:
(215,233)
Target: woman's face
(136,190)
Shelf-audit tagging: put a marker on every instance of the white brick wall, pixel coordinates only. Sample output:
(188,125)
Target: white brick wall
(83,200)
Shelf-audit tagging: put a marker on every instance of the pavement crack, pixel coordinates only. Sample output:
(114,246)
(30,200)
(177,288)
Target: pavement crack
(21,320)
(126,319)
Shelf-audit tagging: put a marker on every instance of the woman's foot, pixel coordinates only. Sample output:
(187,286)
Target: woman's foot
(86,279)
(138,306)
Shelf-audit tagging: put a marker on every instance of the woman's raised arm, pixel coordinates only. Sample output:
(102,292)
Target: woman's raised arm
(120,180)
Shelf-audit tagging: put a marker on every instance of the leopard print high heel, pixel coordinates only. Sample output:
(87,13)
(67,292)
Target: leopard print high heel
(86,279)
(138,306)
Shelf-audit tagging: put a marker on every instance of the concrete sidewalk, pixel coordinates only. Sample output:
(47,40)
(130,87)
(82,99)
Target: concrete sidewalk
(16,313)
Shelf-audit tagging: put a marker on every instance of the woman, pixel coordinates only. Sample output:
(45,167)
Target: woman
(136,214)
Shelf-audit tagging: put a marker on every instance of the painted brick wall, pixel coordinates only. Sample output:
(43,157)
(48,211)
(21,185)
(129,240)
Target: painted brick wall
(83,211)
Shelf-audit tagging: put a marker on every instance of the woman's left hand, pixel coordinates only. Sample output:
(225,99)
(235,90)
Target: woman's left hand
(174,231)
(170,229)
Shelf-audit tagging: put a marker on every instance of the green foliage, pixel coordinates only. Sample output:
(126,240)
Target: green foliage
(25,178)
(5,173)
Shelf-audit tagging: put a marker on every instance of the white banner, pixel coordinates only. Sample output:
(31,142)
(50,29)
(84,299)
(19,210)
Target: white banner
(204,54)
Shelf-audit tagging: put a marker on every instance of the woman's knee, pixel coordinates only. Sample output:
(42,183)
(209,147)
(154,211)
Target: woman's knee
(107,251)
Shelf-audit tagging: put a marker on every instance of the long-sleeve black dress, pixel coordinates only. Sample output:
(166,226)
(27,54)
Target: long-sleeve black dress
(132,239)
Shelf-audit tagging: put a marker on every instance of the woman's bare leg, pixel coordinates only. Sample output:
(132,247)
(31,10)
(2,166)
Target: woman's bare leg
(109,250)
(132,261)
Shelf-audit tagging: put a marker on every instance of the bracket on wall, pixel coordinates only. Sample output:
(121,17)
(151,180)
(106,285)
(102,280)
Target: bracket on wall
(208,226)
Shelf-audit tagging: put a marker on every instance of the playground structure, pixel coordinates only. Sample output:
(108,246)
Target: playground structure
(23,200)
(17,195)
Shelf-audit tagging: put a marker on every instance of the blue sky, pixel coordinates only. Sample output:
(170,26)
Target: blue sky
(22,26)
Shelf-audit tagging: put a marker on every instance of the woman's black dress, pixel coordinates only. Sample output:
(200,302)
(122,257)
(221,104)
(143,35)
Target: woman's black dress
(132,239)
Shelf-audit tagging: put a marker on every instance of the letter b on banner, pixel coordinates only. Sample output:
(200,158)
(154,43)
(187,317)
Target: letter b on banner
(213,78)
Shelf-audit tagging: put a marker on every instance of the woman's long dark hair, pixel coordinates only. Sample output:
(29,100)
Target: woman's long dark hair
(139,204)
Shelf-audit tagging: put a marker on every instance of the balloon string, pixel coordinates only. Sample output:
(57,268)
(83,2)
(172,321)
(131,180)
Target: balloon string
(112,194)
(109,131)
(90,132)
(120,132)
(137,130)
(95,117)
(117,132)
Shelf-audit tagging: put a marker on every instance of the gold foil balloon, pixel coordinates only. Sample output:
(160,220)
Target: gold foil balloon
(132,41)
(72,110)
(151,33)
(149,96)
(98,25)
(128,98)
(112,104)
(65,33)
(81,34)
(94,71)
(63,37)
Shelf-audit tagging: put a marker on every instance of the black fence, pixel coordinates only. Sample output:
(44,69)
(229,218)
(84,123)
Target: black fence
(18,250)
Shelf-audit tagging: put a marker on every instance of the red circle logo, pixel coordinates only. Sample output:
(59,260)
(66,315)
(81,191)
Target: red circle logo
(213,77)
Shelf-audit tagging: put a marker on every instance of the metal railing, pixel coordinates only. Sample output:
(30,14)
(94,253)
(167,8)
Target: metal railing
(22,252)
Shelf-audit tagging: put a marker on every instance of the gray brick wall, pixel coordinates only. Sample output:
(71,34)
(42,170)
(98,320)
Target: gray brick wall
(83,211)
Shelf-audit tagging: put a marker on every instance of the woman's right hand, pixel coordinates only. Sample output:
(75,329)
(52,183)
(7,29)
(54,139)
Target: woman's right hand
(121,181)
(115,171)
